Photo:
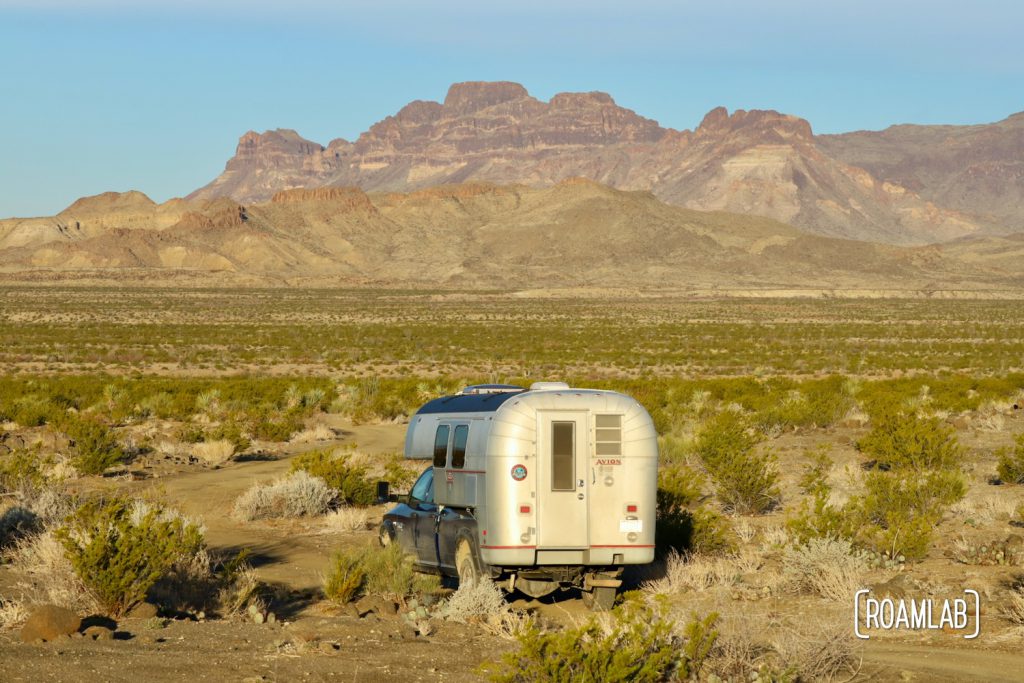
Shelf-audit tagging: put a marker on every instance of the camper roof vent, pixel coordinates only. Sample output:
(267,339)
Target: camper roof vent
(491,389)
(548,386)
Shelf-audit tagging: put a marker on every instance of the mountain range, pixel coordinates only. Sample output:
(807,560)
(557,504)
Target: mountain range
(576,233)
(904,185)
(495,188)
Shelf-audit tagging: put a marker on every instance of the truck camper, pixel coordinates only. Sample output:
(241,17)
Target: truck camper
(540,489)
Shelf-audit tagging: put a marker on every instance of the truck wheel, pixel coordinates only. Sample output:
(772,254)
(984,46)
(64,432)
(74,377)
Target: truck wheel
(599,598)
(384,537)
(466,564)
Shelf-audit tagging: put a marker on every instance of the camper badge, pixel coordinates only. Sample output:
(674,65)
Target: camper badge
(519,472)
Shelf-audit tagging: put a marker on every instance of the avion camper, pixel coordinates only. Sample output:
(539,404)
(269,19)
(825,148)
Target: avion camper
(540,489)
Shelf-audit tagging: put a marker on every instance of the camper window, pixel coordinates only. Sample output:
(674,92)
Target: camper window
(441,446)
(563,456)
(459,446)
(609,434)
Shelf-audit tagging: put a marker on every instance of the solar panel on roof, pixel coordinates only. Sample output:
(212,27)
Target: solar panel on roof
(468,403)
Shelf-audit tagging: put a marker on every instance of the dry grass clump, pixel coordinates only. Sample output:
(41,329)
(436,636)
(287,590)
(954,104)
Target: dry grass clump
(1013,607)
(239,588)
(818,649)
(985,509)
(483,603)
(318,432)
(297,495)
(47,575)
(214,452)
(33,552)
(12,613)
(345,520)
(694,572)
(828,567)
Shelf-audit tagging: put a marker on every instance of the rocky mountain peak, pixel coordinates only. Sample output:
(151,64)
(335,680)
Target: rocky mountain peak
(471,96)
(718,122)
(111,201)
(420,111)
(280,141)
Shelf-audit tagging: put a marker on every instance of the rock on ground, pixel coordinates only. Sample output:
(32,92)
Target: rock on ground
(48,622)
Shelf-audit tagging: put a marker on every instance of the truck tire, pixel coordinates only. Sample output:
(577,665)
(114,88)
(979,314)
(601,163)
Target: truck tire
(384,536)
(466,564)
(599,598)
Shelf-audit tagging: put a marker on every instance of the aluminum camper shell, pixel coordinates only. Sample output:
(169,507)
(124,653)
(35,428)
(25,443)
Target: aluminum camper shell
(553,476)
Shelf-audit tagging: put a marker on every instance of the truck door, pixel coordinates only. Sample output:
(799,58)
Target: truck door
(423,519)
(562,480)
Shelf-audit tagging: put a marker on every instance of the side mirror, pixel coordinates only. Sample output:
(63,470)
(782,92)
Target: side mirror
(383,492)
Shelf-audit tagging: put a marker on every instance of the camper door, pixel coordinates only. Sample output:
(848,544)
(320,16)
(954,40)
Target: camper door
(562,488)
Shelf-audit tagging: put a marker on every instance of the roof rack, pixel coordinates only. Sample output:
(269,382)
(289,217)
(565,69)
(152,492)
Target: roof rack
(476,389)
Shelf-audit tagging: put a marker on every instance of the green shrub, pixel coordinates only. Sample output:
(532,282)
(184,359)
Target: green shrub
(231,431)
(345,578)
(746,482)
(815,476)
(724,438)
(905,440)
(117,404)
(351,482)
(35,411)
(228,430)
(374,570)
(120,549)
(94,445)
(813,404)
(274,425)
(159,405)
(22,468)
(1011,463)
(894,515)
(682,525)
(389,572)
(191,433)
(639,645)
(371,399)
(897,512)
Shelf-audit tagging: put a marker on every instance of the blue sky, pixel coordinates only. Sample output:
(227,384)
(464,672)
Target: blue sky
(100,95)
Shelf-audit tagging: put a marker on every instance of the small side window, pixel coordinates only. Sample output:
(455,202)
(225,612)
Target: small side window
(459,446)
(441,446)
(423,489)
(609,435)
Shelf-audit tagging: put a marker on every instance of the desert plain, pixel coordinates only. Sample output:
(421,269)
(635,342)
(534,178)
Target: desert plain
(201,397)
